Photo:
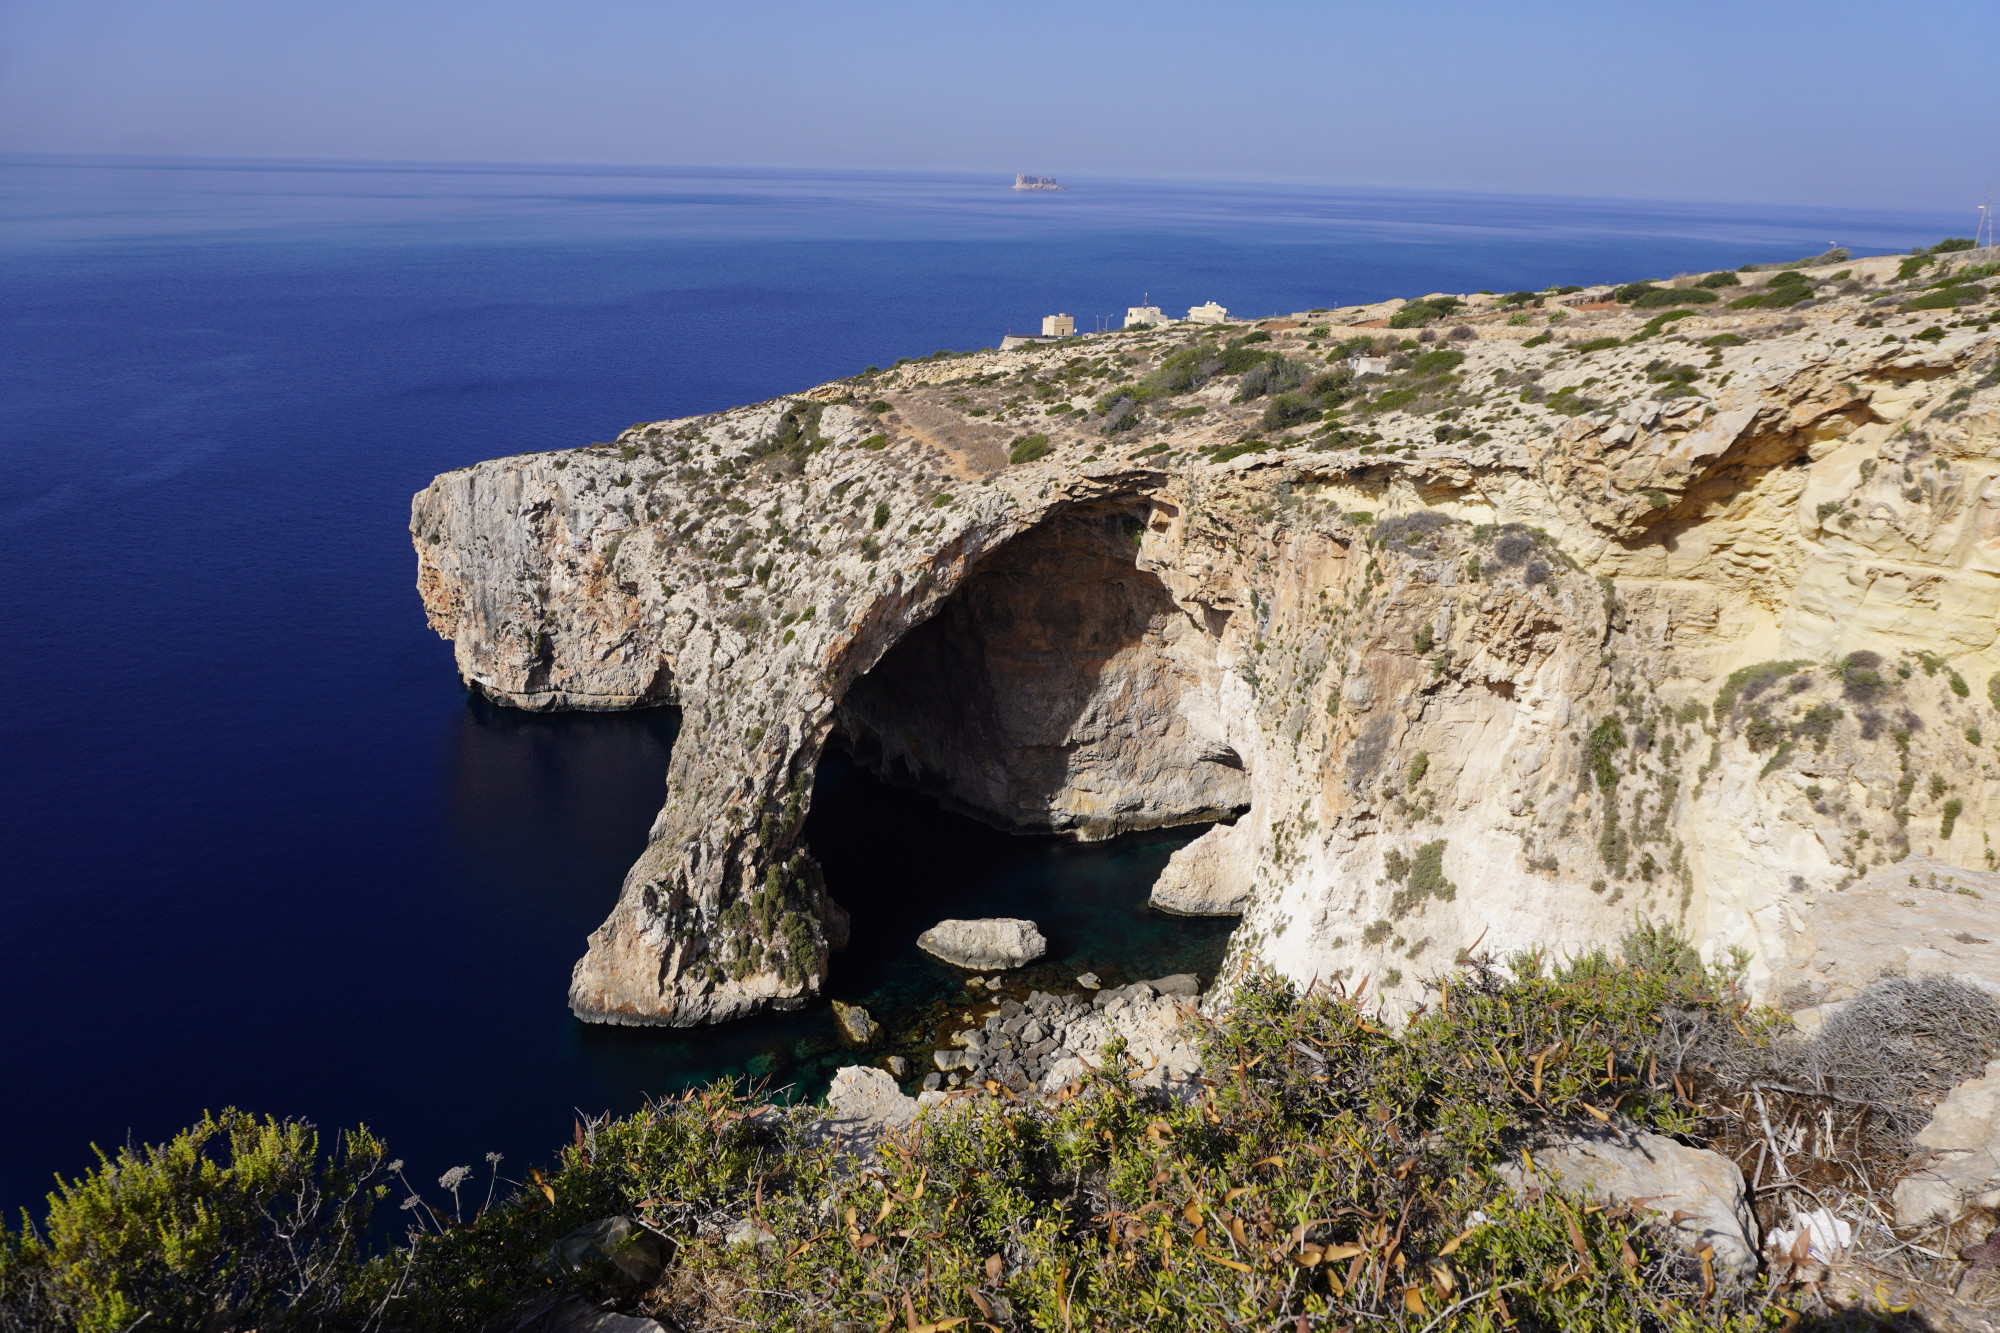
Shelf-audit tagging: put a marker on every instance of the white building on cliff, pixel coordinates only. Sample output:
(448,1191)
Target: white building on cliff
(1057,326)
(1143,316)
(1211,313)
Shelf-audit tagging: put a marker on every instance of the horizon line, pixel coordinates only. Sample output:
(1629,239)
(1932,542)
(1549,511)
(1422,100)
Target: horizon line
(501,166)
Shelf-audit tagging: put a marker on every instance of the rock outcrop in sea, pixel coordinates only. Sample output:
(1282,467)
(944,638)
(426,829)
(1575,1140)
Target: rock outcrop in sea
(1490,641)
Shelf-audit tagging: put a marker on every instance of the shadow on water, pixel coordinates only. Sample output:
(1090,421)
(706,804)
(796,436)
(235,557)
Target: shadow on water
(900,864)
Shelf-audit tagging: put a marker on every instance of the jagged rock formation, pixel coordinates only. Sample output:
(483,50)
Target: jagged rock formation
(1511,636)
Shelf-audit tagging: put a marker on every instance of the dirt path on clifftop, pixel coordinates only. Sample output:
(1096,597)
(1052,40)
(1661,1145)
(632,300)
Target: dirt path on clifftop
(974,450)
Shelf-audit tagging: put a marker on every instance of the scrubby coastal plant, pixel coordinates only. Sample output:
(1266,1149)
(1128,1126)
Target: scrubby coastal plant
(1326,1171)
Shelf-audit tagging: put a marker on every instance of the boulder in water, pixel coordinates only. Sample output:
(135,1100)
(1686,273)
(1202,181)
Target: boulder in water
(990,943)
(857,1027)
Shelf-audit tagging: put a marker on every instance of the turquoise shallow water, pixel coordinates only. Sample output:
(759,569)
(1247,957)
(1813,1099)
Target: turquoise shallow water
(259,848)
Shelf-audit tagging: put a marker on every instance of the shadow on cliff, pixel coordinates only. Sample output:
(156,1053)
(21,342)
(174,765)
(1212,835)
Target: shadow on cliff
(1049,693)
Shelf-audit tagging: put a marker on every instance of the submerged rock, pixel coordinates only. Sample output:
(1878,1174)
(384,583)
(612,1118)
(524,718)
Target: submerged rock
(988,943)
(1963,1173)
(856,1027)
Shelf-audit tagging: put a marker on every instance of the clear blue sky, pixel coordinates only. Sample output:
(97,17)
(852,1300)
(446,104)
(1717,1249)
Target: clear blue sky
(1837,102)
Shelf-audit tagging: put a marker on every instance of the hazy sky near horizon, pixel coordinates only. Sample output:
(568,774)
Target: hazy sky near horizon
(1768,100)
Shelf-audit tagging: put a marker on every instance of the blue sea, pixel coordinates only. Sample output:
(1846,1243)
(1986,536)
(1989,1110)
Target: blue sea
(258,848)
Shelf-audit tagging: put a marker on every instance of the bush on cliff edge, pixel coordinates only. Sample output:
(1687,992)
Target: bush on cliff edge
(1327,1169)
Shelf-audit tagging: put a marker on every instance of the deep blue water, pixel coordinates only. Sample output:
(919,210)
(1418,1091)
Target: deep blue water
(258,848)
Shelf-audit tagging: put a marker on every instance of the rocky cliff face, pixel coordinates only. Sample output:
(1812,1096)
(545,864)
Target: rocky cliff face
(1493,648)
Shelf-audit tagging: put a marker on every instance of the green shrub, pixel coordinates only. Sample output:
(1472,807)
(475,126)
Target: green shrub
(1252,445)
(1590,345)
(1723,279)
(1952,810)
(1947,298)
(1658,322)
(1422,877)
(1272,374)
(1028,448)
(1435,363)
(1326,1169)
(1953,243)
(1929,335)
(1784,289)
(881,515)
(1723,340)
(1420,312)
(233,1223)
(1666,296)
(873,442)
(1538,340)
(1748,682)
(1289,409)
(879,406)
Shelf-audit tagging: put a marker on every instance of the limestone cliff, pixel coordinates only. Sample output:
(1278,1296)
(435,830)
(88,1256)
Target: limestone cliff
(1493,639)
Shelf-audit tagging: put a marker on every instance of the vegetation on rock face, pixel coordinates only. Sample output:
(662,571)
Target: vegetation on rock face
(1324,1172)
(1028,448)
(1326,1169)
(1416,313)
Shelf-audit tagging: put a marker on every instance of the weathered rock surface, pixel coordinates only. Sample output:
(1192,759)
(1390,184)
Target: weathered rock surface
(1963,1170)
(865,1106)
(1703,1190)
(1001,942)
(1917,917)
(1211,876)
(1464,663)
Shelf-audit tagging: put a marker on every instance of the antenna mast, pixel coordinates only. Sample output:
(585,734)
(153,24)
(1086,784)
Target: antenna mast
(1982,234)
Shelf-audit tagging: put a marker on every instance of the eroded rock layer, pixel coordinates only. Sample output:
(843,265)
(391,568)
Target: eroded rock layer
(1488,641)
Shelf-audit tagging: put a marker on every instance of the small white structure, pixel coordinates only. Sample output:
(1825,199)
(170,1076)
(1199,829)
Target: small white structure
(1369,365)
(1013,340)
(1057,326)
(1143,316)
(1211,313)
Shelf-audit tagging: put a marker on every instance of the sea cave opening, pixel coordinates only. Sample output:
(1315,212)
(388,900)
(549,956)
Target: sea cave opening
(1058,693)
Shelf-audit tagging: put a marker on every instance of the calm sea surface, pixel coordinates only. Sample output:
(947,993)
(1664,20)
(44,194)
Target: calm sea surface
(257,847)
